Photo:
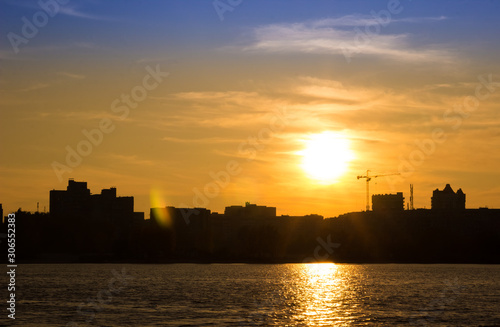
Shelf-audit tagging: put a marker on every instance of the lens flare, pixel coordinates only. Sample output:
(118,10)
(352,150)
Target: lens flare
(159,211)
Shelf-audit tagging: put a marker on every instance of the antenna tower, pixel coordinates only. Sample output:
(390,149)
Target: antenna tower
(411,197)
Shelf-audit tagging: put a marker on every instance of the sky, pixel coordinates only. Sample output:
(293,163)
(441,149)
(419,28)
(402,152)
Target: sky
(218,103)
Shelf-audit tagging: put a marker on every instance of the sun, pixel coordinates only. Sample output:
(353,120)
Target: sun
(326,157)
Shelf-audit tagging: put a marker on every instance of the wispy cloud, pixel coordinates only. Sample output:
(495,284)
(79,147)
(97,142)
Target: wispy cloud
(363,20)
(210,109)
(78,13)
(205,140)
(331,91)
(129,159)
(70,9)
(227,95)
(34,87)
(77,116)
(333,35)
(33,53)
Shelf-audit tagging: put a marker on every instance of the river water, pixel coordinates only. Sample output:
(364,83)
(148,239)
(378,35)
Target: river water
(257,295)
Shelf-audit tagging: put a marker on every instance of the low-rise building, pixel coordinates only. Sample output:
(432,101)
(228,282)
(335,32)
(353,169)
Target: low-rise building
(388,202)
(447,199)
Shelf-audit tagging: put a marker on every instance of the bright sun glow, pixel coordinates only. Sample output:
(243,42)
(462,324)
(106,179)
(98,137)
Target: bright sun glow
(326,157)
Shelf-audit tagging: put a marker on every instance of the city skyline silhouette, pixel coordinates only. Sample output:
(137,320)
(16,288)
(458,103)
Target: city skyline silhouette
(103,227)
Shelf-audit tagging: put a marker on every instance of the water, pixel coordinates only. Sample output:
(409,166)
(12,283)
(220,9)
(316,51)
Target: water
(257,295)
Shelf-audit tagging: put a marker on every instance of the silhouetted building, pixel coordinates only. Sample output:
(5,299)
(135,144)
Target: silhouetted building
(447,199)
(185,231)
(108,207)
(1,212)
(250,211)
(312,218)
(77,203)
(74,201)
(138,217)
(181,217)
(388,202)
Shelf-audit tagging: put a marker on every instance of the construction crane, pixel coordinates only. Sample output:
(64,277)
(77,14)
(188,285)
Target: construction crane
(368,179)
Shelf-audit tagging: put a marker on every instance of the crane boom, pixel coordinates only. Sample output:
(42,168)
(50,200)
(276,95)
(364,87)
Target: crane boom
(368,179)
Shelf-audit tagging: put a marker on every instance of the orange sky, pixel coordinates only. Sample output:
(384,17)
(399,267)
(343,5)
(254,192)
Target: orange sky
(415,100)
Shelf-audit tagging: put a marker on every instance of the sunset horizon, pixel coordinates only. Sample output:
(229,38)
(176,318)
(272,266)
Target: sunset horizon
(295,106)
(250,162)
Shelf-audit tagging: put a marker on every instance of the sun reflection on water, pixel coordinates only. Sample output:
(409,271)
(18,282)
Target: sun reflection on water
(325,294)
